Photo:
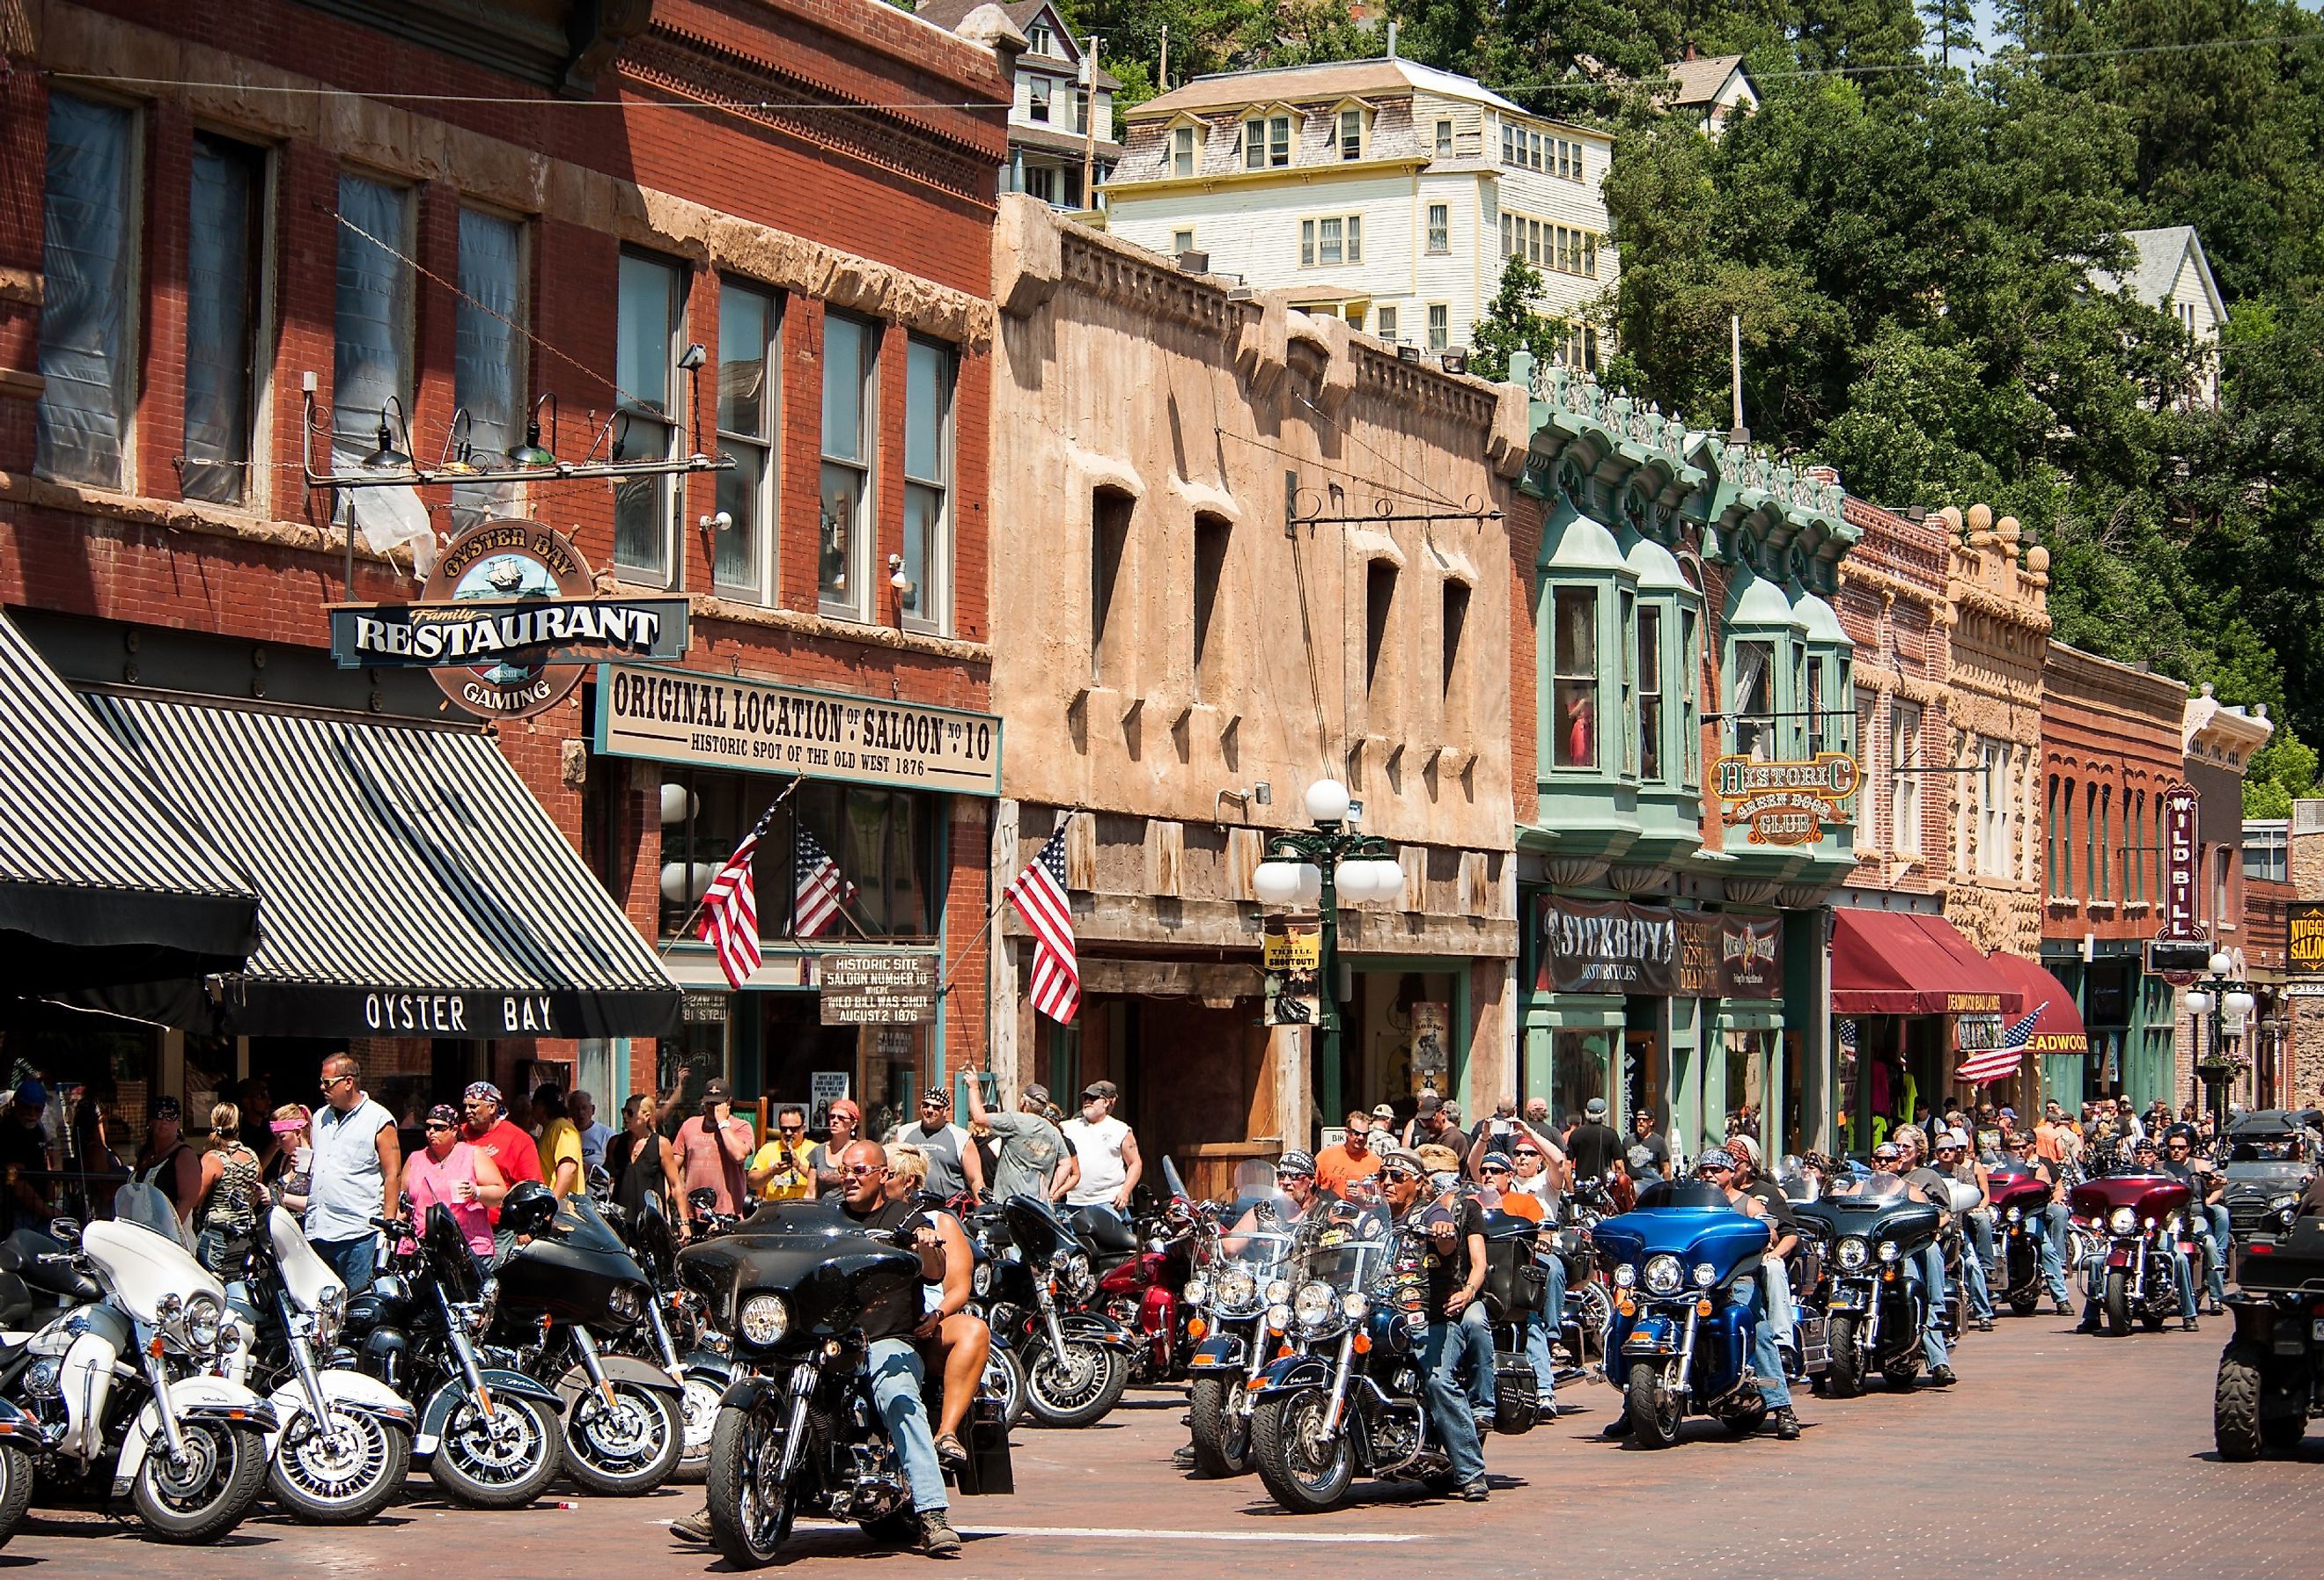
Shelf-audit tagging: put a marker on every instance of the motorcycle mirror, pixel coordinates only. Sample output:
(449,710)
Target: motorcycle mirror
(701,1199)
(67,1230)
(601,1181)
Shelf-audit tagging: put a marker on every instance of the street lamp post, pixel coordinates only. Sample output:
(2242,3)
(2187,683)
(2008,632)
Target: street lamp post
(2225,1000)
(1325,866)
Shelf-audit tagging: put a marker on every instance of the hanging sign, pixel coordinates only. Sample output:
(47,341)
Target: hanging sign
(2306,954)
(507,621)
(877,990)
(2180,849)
(1614,946)
(1293,953)
(720,721)
(1784,803)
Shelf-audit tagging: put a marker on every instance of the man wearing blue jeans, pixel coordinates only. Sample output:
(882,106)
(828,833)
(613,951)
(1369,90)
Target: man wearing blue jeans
(357,1175)
(1453,1261)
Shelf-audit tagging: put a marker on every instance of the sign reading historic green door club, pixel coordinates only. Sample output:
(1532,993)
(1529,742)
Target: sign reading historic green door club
(1784,803)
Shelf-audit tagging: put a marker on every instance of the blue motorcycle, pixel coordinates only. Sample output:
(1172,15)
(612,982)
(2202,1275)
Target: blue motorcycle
(1686,1308)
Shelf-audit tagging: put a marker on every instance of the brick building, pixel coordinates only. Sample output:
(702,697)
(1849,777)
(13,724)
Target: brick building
(471,211)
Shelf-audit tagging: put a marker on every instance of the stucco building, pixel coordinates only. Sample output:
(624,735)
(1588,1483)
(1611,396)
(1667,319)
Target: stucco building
(1181,651)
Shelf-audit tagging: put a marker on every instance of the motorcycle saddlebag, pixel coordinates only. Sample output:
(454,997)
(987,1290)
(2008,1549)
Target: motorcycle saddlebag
(988,1471)
(1516,1394)
(1514,1281)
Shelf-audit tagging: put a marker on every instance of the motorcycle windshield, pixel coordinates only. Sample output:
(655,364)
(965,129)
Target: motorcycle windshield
(1263,1252)
(1170,1178)
(580,1225)
(1034,1228)
(657,1248)
(1346,1250)
(144,1205)
(1879,1187)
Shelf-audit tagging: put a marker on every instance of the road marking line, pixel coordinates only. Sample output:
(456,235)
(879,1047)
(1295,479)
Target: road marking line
(1116,1532)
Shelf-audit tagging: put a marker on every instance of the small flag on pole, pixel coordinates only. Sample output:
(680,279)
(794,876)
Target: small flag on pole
(823,890)
(730,909)
(1994,1063)
(1039,896)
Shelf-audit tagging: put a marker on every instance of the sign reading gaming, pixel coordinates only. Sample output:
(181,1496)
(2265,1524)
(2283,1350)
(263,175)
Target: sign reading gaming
(507,622)
(1784,803)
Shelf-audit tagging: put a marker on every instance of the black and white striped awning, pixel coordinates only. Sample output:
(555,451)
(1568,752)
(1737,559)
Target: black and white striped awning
(102,879)
(413,887)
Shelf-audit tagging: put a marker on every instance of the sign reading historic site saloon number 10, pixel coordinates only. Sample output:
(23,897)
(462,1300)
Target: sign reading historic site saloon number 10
(1784,803)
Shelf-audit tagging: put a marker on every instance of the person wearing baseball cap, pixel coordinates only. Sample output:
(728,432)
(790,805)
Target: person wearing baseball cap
(1384,1114)
(1107,1148)
(1592,1145)
(487,1127)
(714,1147)
(24,1154)
(1452,1264)
(1030,1154)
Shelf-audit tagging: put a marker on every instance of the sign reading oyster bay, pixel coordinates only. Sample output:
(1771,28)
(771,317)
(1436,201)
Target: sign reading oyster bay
(674,716)
(1784,803)
(507,622)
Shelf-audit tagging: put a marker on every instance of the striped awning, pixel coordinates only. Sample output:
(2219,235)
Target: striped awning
(414,886)
(102,881)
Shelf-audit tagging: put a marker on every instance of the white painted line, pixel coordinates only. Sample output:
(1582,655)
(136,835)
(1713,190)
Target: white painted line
(1118,1532)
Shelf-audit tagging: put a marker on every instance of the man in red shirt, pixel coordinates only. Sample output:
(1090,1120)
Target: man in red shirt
(489,1130)
(712,1149)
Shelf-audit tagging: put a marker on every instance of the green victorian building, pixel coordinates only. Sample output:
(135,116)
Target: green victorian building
(1693,729)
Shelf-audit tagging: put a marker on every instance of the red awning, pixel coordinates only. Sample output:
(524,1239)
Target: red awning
(2059,1027)
(1904,963)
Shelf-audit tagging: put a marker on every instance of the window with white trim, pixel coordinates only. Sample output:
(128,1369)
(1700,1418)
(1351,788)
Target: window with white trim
(650,313)
(1267,142)
(1993,806)
(488,354)
(1904,780)
(1440,326)
(1384,322)
(928,378)
(1352,134)
(1182,151)
(1443,139)
(1038,90)
(750,377)
(850,373)
(1439,227)
(226,272)
(1334,239)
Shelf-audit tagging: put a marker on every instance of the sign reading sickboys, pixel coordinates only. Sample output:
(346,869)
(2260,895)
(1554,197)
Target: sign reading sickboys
(1619,948)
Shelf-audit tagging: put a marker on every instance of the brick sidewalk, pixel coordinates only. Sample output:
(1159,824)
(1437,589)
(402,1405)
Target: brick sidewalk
(2057,1456)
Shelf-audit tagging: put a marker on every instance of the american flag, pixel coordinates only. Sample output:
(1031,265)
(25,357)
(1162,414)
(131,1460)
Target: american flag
(823,890)
(1991,1063)
(729,909)
(1848,1035)
(1038,895)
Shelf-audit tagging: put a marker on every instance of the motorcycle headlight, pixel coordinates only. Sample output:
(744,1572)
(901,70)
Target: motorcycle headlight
(2014,1214)
(1278,1318)
(203,1319)
(763,1319)
(1077,1272)
(1313,1303)
(1353,1306)
(1236,1291)
(1705,1275)
(1624,1276)
(1661,1274)
(1853,1253)
(1195,1292)
(330,1315)
(2277,1204)
(625,1302)
(1887,1250)
(2173,1225)
(981,1280)
(1279,1291)
(2122,1221)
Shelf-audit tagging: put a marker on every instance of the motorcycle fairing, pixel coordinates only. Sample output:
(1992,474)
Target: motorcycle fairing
(1221,1352)
(1293,1374)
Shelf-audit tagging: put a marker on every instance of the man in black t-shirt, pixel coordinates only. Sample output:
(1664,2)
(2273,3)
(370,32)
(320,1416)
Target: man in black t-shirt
(1642,1134)
(1593,1144)
(1453,1266)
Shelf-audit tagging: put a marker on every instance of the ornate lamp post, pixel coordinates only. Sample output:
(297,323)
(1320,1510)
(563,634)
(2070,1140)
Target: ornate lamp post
(1324,867)
(2228,1004)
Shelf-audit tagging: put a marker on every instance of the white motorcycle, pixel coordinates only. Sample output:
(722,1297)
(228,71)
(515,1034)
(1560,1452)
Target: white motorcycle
(342,1448)
(120,1388)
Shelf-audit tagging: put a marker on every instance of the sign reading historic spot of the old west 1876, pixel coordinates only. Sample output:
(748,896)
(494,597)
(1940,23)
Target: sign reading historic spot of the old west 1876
(677,715)
(877,990)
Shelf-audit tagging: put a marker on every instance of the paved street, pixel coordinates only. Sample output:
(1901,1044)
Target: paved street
(2057,1456)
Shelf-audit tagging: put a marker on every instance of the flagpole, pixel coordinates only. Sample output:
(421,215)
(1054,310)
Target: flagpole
(994,910)
(686,928)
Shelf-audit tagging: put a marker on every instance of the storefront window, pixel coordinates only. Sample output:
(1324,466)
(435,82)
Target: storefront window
(881,842)
(1579,1063)
(1575,725)
(1749,1058)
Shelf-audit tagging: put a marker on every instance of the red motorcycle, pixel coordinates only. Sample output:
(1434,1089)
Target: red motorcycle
(1141,1274)
(2019,1197)
(2141,1220)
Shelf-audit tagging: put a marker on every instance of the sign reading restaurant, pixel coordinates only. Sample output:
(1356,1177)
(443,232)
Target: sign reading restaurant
(1784,803)
(717,721)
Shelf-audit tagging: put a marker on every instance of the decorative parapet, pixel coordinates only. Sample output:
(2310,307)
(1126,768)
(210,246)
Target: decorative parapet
(1614,456)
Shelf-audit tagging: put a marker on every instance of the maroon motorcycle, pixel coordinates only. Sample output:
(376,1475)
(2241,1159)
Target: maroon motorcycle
(2141,1220)
(2019,1197)
(1141,1277)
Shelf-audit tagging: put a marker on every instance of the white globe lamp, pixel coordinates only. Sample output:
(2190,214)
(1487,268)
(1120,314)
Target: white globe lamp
(1311,883)
(2222,963)
(1327,801)
(2238,1005)
(2198,1001)
(1355,882)
(1276,883)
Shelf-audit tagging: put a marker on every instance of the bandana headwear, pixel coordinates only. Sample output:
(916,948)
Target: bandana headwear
(443,1113)
(484,1091)
(1717,1158)
(168,1108)
(290,1127)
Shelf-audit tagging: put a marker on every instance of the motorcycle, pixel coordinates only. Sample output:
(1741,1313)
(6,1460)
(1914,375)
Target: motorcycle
(1075,1361)
(38,1280)
(1514,1287)
(1686,1281)
(1227,1299)
(119,1390)
(343,1446)
(489,1435)
(2143,1218)
(677,1337)
(801,1287)
(2270,1375)
(2020,1197)
(556,1291)
(1347,1400)
(1876,1310)
(1141,1274)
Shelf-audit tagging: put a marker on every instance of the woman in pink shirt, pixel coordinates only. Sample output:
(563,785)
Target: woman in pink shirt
(461,1176)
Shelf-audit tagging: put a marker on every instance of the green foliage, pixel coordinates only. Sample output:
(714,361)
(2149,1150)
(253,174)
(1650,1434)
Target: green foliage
(1510,325)
(2281,772)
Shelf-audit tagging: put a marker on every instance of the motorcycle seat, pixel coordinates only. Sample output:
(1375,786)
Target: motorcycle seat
(1110,1239)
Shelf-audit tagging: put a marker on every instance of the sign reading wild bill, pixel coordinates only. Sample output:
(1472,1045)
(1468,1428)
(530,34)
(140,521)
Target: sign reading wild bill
(1784,803)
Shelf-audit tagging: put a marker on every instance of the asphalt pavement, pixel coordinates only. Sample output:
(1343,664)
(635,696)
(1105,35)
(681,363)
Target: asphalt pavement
(2056,1457)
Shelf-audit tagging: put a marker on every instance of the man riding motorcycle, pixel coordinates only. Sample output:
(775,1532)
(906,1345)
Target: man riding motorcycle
(1898,1157)
(1453,1263)
(1775,1272)
(2048,1227)
(2182,1160)
(892,1361)
(1953,1160)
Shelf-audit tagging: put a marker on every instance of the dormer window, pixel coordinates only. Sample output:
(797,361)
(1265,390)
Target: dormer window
(1040,41)
(1182,151)
(1267,142)
(1352,134)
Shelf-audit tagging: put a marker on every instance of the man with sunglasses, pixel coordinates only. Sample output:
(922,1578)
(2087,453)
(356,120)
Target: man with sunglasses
(2047,1226)
(1453,1261)
(1721,1167)
(2208,1187)
(783,1169)
(487,1126)
(954,1168)
(358,1174)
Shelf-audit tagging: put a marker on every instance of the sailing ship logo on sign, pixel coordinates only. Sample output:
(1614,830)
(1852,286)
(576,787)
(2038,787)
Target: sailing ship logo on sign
(1784,803)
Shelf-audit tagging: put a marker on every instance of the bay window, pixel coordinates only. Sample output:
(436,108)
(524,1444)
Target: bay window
(1574,676)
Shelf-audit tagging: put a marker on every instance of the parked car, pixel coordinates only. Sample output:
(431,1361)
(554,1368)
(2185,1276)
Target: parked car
(2272,1155)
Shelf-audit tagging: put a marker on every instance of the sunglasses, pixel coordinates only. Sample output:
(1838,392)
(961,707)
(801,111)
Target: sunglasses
(436,1125)
(1525,1152)
(1399,1174)
(791,1130)
(331,1081)
(863,1170)
(1493,1169)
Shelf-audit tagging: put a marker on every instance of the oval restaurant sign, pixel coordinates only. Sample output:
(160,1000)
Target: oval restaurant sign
(507,622)
(1784,803)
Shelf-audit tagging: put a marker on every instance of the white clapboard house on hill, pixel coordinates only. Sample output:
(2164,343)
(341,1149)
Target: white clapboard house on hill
(1049,139)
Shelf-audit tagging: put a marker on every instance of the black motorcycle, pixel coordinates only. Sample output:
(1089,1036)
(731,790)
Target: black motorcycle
(677,1334)
(1075,1361)
(488,1434)
(556,1291)
(2270,1375)
(805,1292)
(1875,1307)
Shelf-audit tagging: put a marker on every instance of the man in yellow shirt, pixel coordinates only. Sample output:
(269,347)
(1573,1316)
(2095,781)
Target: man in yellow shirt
(561,1142)
(782,1171)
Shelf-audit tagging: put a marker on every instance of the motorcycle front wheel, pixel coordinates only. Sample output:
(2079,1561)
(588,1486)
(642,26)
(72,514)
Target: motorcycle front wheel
(627,1448)
(505,1461)
(2118,1303)
(204,1496)
(341,1472)
(16,1489)
(1222,1443)
(1303,1469)
(1078,1388)
(1653,1407)
(699,1406)
(751,1508)
(1844,1379)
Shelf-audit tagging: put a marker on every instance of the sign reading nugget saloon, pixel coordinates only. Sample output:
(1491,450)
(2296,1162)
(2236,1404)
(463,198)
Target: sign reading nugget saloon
(717,721)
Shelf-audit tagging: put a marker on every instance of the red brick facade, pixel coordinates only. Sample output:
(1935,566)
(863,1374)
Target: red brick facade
(694,147)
